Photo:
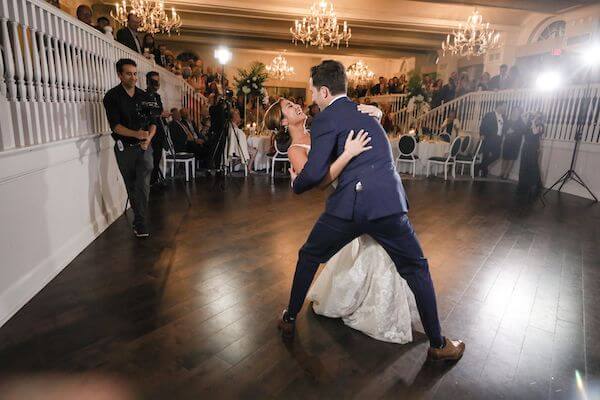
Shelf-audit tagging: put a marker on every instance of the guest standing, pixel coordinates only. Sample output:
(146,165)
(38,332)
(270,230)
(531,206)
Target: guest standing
(500,81)
(491,130)
(530,182)
(380,88)
(128,35)
(149,46)
(84,14)
(449,89)
(483,84)
(516,128)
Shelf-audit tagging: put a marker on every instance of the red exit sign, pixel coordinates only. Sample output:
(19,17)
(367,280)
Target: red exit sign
(556,52)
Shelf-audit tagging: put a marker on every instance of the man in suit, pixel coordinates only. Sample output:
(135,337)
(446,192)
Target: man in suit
(491,131)
(369,199)
(160,56)
(500,81)
(185,135)
(380,88)
(128,35)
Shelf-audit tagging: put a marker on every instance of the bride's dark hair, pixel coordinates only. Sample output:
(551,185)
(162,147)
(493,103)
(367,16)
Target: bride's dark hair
(272,121)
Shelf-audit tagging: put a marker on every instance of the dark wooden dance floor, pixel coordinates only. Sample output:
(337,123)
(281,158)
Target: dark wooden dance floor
(190,313)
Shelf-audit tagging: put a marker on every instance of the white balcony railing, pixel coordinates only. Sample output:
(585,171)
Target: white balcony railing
(561,109)
(54,72)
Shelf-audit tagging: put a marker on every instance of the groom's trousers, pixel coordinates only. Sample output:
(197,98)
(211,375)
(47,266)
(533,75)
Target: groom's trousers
(396,235)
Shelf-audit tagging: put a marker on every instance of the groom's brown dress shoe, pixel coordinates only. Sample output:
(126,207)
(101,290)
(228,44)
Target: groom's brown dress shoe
(452,351)
(286,326)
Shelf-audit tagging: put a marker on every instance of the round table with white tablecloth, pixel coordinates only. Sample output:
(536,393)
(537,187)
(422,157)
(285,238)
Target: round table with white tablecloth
(260,146)
(425,149)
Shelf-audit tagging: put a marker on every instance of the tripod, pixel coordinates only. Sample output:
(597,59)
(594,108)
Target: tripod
(570,174)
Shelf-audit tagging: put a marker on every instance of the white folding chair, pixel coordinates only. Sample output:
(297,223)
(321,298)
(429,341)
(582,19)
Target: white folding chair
(407,146)
(470,159)
(448,160)
(187,159)
(279,156)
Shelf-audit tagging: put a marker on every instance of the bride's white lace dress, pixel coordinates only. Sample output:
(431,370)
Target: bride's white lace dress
(360,284)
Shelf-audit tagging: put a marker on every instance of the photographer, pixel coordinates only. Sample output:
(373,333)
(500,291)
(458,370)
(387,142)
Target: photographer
(159,142)
(133,135)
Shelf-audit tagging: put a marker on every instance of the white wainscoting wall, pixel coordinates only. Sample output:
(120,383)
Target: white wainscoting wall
(56,199)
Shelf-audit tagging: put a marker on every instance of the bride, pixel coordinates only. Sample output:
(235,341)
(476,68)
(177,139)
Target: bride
(360,283)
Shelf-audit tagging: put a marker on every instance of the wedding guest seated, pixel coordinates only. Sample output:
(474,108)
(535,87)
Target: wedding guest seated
(185,136)
(451,125)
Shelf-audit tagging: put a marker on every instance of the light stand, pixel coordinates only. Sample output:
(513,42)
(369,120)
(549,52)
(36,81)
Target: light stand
(571,174)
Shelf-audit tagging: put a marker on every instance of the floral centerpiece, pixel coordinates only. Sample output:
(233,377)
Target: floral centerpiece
(418,102)
(249,82)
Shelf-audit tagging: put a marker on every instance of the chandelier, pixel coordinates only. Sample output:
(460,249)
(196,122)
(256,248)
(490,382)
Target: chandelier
(279,68)
(321,28)
(359,72)
(473,39)
(154,18)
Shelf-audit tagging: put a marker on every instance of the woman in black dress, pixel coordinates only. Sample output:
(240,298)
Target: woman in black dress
(514,131)
(530,181)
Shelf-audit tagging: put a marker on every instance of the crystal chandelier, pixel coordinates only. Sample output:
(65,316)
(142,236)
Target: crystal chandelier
(359,72)
(152,14)
(473,39)
(321,28)
(279,68)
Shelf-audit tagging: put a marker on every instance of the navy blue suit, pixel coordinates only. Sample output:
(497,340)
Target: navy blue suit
(369,199)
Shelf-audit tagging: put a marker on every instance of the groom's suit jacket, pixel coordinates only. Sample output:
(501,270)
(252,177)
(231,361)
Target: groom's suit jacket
(369,186)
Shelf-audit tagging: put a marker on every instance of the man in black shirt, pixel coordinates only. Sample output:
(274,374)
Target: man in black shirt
(159,141)
(133,136)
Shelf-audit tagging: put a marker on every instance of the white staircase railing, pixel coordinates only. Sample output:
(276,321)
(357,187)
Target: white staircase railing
(54,72)
(560,107)
(395,105)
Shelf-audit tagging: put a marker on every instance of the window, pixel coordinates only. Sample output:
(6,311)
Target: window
(555,30)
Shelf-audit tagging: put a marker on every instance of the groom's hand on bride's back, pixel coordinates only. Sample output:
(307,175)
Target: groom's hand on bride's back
(356,145)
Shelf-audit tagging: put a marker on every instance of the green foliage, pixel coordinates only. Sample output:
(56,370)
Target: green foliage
(250,81)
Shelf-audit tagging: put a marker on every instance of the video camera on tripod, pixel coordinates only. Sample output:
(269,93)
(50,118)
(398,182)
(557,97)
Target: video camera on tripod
(220,115)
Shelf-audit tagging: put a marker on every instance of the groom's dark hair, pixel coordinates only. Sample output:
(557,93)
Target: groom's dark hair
(332,74)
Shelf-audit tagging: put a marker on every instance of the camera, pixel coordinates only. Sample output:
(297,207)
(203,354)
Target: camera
(148,110)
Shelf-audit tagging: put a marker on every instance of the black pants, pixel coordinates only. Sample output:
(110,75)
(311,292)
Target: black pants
(200,151)
(135,165)
(157,149)
(396,235)
(491,150)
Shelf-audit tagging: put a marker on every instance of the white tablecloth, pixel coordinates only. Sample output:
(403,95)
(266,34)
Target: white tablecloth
(425,149)
(261,145)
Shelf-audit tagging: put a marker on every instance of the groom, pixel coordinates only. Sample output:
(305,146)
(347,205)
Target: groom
(369,199)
